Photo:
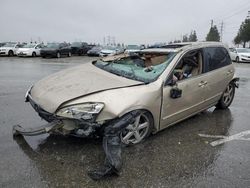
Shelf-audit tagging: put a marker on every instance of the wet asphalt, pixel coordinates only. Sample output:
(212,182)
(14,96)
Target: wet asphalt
(175,157)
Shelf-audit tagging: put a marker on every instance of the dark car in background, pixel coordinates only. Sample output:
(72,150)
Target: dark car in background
(80,48)
(56,50)
(95,51)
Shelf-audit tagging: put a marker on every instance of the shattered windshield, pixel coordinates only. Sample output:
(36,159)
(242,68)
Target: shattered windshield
(144,67)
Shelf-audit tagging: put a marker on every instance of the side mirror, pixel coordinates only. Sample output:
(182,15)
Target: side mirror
(175,93)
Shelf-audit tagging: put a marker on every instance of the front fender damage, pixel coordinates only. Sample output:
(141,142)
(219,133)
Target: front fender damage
(111,140)
(112,146)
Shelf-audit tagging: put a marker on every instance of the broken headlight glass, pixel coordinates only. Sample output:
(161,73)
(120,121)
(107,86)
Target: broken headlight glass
(86,111)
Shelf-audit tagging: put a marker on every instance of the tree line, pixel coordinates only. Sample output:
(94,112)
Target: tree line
(242,37)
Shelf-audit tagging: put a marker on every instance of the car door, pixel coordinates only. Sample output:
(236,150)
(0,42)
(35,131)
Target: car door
(61,49)
(218,71)
(191,100)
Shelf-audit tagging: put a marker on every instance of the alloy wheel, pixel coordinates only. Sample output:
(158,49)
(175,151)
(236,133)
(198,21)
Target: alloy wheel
(228,94)
(136,132)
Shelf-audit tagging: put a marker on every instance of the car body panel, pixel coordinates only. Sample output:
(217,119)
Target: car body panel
(87,83)
(5,50)
(78,81)
(190,101)
(29,51)
(62,48)
(115,105)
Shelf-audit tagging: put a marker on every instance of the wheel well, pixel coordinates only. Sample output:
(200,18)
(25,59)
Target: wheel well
(142,109)
(235,82)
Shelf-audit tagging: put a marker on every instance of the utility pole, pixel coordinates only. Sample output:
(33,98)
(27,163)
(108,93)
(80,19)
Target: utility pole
(221,30)
(212,22)
(248,16)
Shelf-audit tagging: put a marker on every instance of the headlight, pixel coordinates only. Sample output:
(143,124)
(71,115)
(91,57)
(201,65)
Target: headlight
(86,111)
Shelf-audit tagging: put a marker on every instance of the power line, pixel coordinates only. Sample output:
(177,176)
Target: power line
(221,30)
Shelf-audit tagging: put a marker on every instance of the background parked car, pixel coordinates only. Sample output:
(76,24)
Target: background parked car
(132,48)
(30,50)
(56,50)
(241,55)
(95,51)
(233,53)
(80,48)
(111,50)
(10,48)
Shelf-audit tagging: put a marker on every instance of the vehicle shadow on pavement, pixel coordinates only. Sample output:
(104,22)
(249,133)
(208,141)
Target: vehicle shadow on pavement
(172,155)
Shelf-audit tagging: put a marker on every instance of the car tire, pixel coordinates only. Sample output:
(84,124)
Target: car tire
(139,130)
(58,55)
(10,53)
(69,54)
(227,96)
(34,54)
(237,59)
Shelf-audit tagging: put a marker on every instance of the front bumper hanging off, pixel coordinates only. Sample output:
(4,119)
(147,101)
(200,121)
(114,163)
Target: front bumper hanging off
(47,128)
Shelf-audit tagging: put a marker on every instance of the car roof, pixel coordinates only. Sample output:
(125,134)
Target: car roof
(176,47)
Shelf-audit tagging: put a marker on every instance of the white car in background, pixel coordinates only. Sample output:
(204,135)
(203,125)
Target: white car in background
(111,50)
(240,54)
(132,49)
(10,48)
(31,50)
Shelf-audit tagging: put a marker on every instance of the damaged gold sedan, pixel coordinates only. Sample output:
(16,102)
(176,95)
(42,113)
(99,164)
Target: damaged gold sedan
(86,97)
(134,95)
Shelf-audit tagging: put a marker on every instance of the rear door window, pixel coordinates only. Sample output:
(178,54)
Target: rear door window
(215,57)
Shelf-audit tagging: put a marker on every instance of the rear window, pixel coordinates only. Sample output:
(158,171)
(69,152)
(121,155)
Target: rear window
(215,57)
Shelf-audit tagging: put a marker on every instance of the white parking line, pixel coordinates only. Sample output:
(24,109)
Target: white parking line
(223,139)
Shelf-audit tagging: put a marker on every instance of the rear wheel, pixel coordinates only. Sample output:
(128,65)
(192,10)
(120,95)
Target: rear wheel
(139,130)
(10,53)
(227,97)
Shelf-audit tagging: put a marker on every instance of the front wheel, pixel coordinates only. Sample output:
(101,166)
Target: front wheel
(139,130)
(58,55)
(227,97)
(34,54)
(237,59)
(10,53)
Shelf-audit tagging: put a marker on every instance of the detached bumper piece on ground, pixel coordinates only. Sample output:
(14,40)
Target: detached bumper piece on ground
(111,142)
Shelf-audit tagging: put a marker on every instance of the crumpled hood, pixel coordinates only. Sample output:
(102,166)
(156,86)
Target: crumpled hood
(75,82)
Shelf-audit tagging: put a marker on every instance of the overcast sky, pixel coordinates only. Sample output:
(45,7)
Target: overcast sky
(129,21)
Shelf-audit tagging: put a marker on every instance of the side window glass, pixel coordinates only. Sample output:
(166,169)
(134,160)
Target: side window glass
(216,57)
(189,66)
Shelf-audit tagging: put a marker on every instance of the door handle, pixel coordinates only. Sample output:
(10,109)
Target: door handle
(202,83)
